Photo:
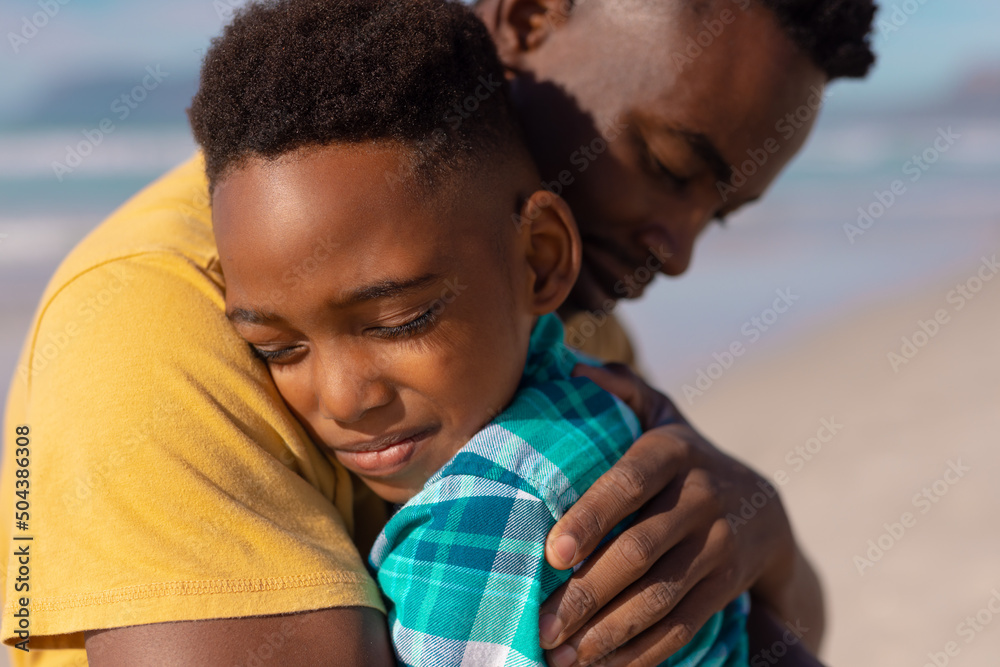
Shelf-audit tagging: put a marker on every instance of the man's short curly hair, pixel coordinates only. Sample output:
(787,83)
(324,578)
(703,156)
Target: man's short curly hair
(835,33)
(289,74)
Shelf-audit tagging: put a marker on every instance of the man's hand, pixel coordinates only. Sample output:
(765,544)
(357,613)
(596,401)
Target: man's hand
(647,592)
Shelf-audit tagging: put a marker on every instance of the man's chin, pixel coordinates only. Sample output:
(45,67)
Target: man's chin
(587,296)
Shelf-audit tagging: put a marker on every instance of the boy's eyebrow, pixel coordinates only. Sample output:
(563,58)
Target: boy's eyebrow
(385,289)
(251,316)
(379,290)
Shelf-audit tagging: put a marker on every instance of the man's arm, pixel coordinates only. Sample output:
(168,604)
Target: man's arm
(644,594)
(344,637)
(777,644)
(176,485)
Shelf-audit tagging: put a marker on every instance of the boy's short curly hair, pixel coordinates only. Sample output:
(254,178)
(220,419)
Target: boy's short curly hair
(288,74)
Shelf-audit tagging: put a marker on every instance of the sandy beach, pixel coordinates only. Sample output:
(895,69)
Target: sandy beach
(890,467)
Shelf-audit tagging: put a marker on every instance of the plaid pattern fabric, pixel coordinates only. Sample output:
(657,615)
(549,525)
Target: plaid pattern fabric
(462,564)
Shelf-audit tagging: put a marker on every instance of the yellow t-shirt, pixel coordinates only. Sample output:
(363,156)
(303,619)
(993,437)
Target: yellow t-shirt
(602,336)
(167,480)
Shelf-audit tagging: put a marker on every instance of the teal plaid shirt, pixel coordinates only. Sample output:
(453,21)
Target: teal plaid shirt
(462,564)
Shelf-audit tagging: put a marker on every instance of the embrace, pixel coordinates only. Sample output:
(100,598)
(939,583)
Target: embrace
(348,403)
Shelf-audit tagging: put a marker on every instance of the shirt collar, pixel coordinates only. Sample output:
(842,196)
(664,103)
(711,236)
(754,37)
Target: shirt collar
(548,357)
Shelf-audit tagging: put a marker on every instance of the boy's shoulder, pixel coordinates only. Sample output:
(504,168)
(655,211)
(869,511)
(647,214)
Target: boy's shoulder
(553,441)
(534,460)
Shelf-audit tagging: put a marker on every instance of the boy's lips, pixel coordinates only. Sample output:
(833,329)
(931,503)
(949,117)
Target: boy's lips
(385,454)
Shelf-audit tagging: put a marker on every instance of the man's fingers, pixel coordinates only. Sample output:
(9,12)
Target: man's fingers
(653,408)
(612,379)
(614,568)
(643,604)
(646,468)
(672,632)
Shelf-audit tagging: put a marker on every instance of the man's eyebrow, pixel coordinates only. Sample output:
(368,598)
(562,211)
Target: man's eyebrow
(706,150)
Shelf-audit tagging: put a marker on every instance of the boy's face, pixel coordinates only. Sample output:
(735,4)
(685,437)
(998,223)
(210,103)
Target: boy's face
(395,324)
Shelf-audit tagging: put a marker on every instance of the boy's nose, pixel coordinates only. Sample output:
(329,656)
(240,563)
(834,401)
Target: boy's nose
(349,391)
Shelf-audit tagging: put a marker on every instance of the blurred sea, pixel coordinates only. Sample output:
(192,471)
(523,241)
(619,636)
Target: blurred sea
(794,239)
(939,67)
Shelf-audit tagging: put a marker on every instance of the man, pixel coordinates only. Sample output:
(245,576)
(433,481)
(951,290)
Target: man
(179,515)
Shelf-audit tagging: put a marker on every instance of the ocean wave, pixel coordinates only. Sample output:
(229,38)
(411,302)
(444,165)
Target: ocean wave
(50,153)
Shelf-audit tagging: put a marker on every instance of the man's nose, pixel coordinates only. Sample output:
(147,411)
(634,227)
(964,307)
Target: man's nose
(671,247)
(674,230)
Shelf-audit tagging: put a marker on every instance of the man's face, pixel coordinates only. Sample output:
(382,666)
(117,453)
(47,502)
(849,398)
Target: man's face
(652,122)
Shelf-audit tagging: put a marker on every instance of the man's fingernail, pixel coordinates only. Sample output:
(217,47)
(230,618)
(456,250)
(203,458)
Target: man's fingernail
(549,628)
(564,547)
(564,656)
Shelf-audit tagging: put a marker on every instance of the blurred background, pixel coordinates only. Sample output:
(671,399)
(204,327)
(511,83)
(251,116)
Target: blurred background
(846,400)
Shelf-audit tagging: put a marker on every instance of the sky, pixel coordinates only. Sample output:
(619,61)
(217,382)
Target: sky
(925,46)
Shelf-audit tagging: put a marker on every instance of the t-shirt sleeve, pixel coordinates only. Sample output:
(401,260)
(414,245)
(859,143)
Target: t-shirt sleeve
(463,569)
(167,480)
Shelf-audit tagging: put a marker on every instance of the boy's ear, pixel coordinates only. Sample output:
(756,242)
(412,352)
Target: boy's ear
(521,26)
(552,248)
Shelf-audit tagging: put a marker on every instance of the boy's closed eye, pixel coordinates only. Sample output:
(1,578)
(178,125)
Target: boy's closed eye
(277,354)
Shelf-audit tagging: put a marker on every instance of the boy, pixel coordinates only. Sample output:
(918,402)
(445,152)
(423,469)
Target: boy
(387,255)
